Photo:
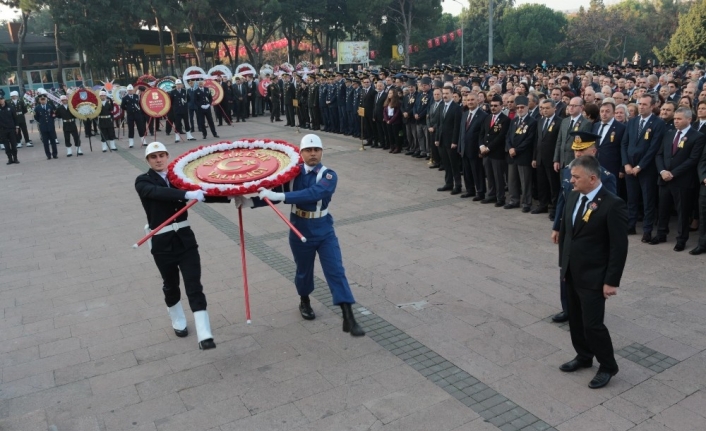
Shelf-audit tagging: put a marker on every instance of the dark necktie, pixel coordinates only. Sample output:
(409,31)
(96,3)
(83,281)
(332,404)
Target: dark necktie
(642,125)
(546,125)
(468,120)
(571,126)
(675,143)
(579,213)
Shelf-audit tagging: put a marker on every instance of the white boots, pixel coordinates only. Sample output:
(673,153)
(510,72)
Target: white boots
(105,147)
(2,147)
(189,137)
(176,313)
(69,153)
(78,151)
(132,142)
(177,138)
(19,144)
(112,146)
(203,330)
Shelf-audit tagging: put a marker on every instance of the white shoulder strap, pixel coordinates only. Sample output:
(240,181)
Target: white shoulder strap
(318,178)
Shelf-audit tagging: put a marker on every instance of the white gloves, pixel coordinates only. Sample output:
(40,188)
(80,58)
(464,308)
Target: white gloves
(269,194)
(205,106)
(241,202)
(195,194)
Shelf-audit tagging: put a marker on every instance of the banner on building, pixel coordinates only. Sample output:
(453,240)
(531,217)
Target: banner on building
(353,52)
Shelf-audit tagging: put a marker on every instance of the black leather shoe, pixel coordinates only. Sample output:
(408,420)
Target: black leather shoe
(181,333)
(697,250)
(560,317)
(499,204)
(207,344)
(444,189)
(434,166)
(632,231)
(479,198)
(679,247)
(646,237)
(657,240)
(349,323)
(540,210)
(216,136)
(601,379)
(306,311)
(468,195)
(526,209)
(552,216)
(456,191)
(575,365)
(488,201)
(511,206)
(409,153)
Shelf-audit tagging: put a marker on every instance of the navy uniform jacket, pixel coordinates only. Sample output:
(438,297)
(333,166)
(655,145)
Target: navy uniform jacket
(45,117)
(305,193)
(131,104)
(639,148)
(7,117)
(609,148)
(607,179)
(323,91)
(202,97)
(180,100)
(331,96)
(522,136)
(408,103)
(421,105)
(342,90)
(351,99)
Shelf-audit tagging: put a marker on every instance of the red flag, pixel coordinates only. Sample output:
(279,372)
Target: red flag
(452,35)
(437,42)
(416,48)
(430,43)
(459,32)
(372,55)
(409,49)
(444,38)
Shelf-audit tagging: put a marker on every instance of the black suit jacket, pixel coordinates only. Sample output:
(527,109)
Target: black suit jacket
(696,125)
(369,102)
(470,135)
(681,164)
(609,148)
(448,128)
(494,137)
(522,136)
(546,141)
(379,105)
(639,148)
(595,252)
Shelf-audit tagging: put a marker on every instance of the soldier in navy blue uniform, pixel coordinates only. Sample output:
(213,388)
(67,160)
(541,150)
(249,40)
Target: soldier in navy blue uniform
(44,116)
(174,247)
(332,106)
(584,145)
(8,127)
(203,99)
(310,196)
(105,122)
(130,104)
(180,110)
(352,102)
(323,108)
(192,86)
(341,96)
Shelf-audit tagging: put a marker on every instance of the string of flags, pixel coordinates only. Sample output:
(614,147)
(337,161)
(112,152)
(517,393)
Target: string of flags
(444,38)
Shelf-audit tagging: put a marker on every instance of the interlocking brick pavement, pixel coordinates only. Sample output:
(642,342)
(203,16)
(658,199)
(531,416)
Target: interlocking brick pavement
(85,342)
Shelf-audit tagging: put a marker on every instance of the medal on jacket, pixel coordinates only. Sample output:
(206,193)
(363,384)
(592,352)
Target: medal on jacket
(681,142)
(551,126)
(647,133)
(592,207)
(612,137)
(411,100)
(424,100)
(576,127)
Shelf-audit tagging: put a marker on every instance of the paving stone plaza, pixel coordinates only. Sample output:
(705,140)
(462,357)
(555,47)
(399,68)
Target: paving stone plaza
(456,299)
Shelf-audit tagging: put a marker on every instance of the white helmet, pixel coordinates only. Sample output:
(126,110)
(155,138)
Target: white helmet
(310,141)
(102,93)
(130,87)
(14,93)
(155,147)
(41,91)
(178,81)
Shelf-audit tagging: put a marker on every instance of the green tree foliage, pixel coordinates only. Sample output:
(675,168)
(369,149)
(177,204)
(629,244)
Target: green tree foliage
(530,33)
(476,25)
(689,40)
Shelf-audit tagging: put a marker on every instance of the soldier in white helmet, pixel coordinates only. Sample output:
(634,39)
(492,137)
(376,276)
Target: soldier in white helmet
(105,122)
(174,247)
(180,111)
(130,104)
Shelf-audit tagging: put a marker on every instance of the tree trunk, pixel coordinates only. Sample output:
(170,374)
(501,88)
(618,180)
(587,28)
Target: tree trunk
(200,60)
(20,46)
(407,35)
(162,52)
(175,53)
(59,55)
(230,57)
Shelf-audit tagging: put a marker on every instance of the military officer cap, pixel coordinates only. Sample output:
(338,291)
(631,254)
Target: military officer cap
(2,95)
(14,93)
(496,98)
(426,81)
(412,81)
(582,140)
(438,84)
(521,101)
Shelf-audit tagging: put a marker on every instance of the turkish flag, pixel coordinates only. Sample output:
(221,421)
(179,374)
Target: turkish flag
(459,32)
(444,38)
(430,44)
(437,42)
(452,35)
(372,55)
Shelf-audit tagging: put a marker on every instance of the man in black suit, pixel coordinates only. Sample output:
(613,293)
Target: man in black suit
(593,248)
(701,172)
(611,134)
(378,107)
(492,147)
(240,99)
(676,164)
(447,131)
(519,145)
(367,102)
(533,106)
(289,96)
(473,173)
(641,141)
(174,247)
(700,123)
(432,120)
(543,160)
(559,106)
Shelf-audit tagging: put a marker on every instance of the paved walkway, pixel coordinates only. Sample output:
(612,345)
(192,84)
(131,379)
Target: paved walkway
(455,296)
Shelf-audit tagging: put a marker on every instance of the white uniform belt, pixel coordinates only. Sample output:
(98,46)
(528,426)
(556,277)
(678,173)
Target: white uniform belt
(173,227)
(309,214)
